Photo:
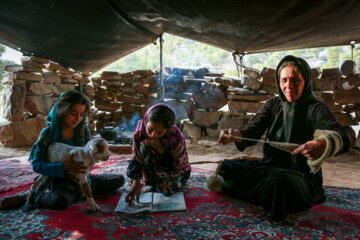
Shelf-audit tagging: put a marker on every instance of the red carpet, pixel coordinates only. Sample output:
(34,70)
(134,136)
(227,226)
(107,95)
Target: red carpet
(209,216)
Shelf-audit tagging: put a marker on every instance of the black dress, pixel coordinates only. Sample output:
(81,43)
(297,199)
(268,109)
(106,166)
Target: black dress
(281,183)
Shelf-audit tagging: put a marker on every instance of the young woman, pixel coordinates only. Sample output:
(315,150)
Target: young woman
(159,154)
(66,124)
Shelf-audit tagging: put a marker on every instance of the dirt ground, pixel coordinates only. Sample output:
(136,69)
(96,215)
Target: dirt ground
(340,171)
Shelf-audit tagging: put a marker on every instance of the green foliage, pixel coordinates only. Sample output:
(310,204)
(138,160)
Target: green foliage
(3,62)
(185,53)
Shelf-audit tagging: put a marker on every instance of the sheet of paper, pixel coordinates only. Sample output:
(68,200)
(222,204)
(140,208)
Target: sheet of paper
(175,202)
(144,204)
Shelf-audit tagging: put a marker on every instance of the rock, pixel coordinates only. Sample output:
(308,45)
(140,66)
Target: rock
(228,121)
(353,80)
(205,119)
(329,72)
(21,68)
(69,81)
(237,106)
(229,82)
(27,76)
(209,101)
(143,89)
(351,96)
(38,89)
(101,93)
(268,73)
(21,133)
(146,72)
(88,90)
(213,89)
(178,96)
(38,104)
(96,82)
(179,108)
(252,98)
(35,59)
(132,100)
(327,84)
(328,99)
(269,83)
(13,100)
(32,64)
(315,73)
(250,82)
(214,133)
(252,72)
(105,105)
(83,81)
(131,108)
(51,77)
(238,91)
(351,134)
(345,119)
(53,66)
(65,87)
(11,80)
(190,130)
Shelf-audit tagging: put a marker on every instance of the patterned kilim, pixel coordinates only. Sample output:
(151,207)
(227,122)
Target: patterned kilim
(209,215)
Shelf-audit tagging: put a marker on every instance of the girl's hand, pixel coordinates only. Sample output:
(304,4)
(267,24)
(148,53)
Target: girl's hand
(229,135)
(134,192)
(75,167)
(155,143)
(312,149)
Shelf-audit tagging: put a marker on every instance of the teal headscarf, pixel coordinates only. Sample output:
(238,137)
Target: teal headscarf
(53,132)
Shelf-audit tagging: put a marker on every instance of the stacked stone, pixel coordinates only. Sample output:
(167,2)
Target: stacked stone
(121,95)
(342,95)
(30,91)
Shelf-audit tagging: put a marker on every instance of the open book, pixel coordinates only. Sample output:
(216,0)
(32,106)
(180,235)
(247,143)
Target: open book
(152,202)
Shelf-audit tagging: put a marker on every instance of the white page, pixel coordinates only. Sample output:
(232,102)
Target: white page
(144,204)
(174,202)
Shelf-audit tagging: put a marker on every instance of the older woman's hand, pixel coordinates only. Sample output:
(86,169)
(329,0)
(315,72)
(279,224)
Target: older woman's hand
(312,149)
(229,135)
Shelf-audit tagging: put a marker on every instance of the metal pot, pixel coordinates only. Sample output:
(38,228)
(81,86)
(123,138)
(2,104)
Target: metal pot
(108,132)
(348,67)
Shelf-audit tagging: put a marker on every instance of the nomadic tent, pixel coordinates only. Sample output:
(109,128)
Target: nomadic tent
(88,35)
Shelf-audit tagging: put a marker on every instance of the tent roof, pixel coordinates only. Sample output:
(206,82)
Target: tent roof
(88,35)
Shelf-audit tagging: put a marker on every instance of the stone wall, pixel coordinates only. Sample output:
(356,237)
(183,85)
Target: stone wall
(30,91)
(197,95)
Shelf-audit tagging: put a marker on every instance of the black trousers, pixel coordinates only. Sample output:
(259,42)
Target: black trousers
(279,191)
(64,192)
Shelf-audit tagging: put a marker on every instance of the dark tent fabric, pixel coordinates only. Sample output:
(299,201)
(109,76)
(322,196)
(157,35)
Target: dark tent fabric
(88,35)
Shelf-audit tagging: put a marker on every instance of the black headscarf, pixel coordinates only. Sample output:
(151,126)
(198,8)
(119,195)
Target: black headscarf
(293,113)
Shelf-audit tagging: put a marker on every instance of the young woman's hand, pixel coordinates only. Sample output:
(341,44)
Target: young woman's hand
(134,193)
(155,143)
(75,167)
(312,149)
(229,135)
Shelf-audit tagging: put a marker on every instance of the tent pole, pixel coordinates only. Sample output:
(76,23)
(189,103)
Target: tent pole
(162,89)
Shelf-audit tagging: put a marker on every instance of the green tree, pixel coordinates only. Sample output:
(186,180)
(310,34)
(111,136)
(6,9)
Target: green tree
(3,62)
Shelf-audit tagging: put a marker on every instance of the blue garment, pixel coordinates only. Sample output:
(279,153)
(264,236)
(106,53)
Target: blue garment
(53,133)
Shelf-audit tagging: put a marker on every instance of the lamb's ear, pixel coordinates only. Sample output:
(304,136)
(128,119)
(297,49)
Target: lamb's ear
(98,146)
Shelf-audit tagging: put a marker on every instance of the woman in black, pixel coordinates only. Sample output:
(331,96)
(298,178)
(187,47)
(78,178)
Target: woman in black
(284,182)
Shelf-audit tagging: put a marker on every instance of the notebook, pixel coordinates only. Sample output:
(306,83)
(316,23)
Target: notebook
(152,202)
